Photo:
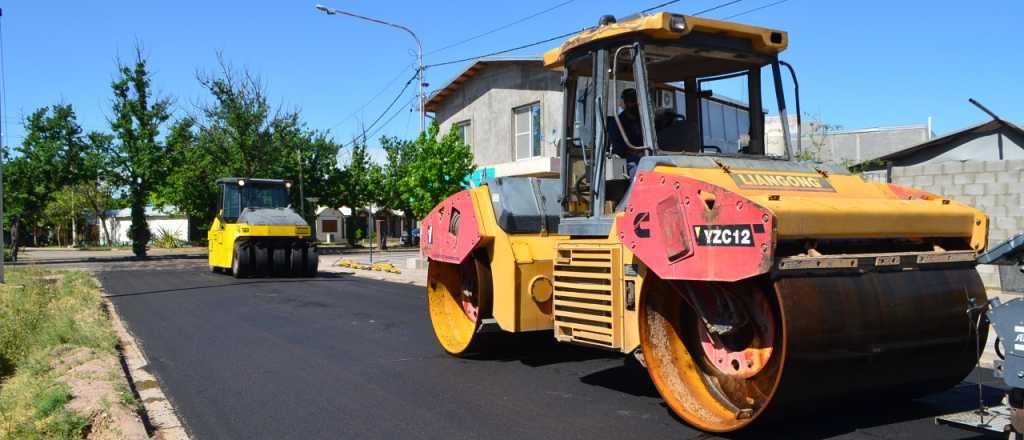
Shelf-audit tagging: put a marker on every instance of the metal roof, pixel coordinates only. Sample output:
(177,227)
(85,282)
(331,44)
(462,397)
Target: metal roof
(980,129)
(659,26)
(249,179)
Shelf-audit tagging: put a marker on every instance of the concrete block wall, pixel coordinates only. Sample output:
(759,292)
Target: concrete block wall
(995,187)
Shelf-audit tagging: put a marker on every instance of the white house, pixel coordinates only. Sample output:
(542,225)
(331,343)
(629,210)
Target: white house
(160,221)
(330,224)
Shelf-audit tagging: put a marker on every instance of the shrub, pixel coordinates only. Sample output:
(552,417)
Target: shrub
(166,238)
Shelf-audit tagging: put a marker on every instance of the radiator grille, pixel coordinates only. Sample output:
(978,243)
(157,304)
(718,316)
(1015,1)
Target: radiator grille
(585,294)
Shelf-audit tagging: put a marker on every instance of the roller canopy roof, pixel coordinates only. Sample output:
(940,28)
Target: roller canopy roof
(667,26)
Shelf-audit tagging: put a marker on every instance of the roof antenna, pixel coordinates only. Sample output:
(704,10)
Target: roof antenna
(985,109)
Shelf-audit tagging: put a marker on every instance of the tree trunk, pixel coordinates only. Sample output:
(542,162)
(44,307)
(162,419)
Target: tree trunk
(139,231)
(104,227)
(14,238)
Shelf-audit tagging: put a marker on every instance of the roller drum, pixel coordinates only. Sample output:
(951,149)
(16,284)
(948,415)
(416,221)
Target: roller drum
(871,336)
(879,335)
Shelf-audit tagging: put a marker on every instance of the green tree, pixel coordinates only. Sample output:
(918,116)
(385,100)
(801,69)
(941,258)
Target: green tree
(63,213)
(399,154)
(436,170)
(239,134)
(140,158)
(361,179)
(52,155)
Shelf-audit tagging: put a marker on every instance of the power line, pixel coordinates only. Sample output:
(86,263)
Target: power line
(365,136)
(392,118)
(558,37)
(715,8)
(659,6)
(374,98)
(388,109)
(756,9)
(503,27)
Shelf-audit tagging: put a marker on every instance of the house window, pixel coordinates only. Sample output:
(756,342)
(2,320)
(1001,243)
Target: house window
(526,131)
(328,226)
(465,131)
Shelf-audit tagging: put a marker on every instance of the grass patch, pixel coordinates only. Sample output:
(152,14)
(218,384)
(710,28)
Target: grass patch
(42,315)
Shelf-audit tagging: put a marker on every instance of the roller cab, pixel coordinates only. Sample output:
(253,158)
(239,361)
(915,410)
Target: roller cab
(750,284)
(257,233)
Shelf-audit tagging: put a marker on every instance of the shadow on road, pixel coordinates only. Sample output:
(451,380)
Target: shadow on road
(534,349)
(630,378)
(823,419)
(870,417)
(41,262)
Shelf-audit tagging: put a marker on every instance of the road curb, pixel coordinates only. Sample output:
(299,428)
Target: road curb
(160,412)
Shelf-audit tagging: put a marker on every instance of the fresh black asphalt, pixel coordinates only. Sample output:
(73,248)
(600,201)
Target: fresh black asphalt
(343,357)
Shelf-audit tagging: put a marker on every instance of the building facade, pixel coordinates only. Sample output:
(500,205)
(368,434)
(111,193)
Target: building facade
(508,111)
(160,221)
(844,146)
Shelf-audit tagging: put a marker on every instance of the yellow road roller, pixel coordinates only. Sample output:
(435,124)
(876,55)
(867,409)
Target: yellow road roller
(748,283)
(257,233)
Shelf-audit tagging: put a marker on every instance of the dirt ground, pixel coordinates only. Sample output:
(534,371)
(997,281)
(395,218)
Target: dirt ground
(100,394)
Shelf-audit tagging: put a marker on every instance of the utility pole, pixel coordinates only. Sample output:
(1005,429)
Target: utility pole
(422,98)
(3,144)
(302,200)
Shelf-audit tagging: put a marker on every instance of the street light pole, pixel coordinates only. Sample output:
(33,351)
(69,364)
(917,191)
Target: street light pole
(302,203)
(419,53)
(3,144)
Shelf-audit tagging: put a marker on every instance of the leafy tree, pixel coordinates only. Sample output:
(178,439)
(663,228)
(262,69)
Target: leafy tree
(64,211)
(361,179)
(436,170)
(51,156)
(238,134)
(98,199)
(400,154)
(140,158)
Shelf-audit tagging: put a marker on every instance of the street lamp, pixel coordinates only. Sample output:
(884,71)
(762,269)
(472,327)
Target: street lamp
(419,48)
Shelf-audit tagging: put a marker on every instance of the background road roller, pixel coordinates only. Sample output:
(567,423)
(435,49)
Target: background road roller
(257,233)
(748,283)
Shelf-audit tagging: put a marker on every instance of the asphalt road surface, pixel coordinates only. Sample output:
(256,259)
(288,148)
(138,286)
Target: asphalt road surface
(344,357)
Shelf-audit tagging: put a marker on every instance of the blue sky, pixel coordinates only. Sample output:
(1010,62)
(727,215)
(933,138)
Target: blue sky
(861,63)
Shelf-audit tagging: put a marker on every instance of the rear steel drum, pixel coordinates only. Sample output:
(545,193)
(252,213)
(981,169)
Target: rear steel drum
(872,336)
